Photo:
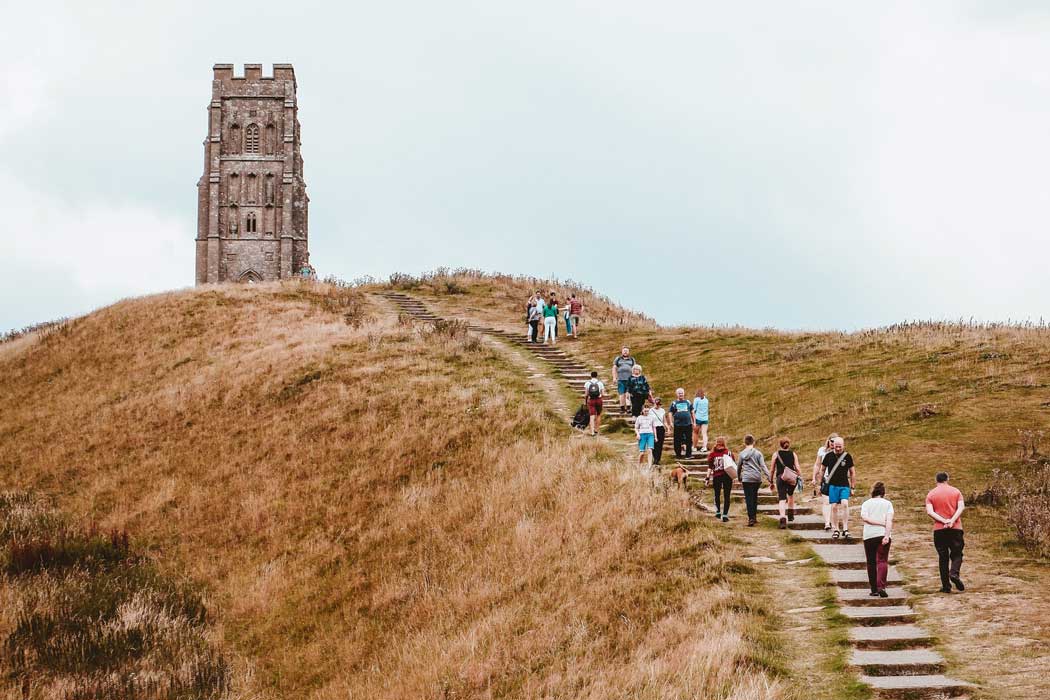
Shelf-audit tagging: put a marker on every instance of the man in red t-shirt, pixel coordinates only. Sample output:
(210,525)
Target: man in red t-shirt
(945,505)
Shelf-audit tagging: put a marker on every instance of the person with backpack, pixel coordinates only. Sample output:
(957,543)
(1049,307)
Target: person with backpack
(877,514)
(945,505)
(701,413)
(752,471)
(838,484)
(682,418)
(639,389)
(594,395)
(621,372)
(645,429)
(661,429)
(788,473)
(818,479)
(550,321)
(721,470)
(575,311)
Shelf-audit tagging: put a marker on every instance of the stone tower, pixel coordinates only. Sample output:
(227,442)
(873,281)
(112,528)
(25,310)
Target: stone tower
(251,199)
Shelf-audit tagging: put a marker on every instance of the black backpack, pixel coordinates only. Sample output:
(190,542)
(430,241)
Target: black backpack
(594,389)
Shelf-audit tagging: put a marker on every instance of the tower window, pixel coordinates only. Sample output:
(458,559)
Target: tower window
(251,139)
(250,223)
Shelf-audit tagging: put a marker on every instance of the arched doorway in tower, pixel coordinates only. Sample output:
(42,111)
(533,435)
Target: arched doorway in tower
(250,276)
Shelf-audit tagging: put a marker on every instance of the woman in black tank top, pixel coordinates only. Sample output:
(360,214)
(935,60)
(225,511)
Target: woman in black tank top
(785,457)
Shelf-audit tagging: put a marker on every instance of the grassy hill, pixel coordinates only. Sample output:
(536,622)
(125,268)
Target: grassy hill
(370,510)
(911,400)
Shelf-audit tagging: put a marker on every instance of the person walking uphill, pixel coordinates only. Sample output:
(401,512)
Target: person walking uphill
(701,413)
(945,505)
(594,395)
(550,321)
(753,471)
(682,418)
(838,483)
(638,388)
(877,514)
(787,472)
(621,372)
(723,482)
(818,479)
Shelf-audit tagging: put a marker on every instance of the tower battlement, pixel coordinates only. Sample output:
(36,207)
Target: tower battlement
(253,71)
(252,220)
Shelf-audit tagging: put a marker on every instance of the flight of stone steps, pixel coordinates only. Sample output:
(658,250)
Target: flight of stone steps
(891,651)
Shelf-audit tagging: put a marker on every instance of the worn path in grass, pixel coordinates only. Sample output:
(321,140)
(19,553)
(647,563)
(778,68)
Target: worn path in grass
(785,575)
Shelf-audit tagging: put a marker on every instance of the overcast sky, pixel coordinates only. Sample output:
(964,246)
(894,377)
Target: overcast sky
(800,165)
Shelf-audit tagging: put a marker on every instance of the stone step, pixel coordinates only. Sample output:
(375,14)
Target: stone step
(858,578)
(888,636)
(901,662)
(770,508)
(818,536)
(916,687)
(878,615)
(803,522)
(862,596)
(847,555)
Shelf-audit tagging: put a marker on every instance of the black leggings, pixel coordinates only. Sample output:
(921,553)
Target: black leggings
(723,486)
(658,450)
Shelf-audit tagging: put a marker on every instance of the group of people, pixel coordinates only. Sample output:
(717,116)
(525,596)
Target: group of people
(834,474)
(545,309)
(686,420)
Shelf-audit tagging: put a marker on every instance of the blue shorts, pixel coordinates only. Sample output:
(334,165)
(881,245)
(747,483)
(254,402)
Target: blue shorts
(646,441)
(838,494)
(701,422)
(621,386)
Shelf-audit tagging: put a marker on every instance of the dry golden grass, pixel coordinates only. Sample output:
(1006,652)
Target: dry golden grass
(377,512)
(911,400)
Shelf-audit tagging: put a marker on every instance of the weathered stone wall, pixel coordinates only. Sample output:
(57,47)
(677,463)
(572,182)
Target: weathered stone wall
(252,196)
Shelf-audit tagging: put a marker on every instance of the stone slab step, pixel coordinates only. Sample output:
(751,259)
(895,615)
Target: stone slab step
(847,556)
(888,636)
(769,508)
(862,596)
(819,536)
(803,522)
(876,615)
(902,662)
(858,578)
(916,687)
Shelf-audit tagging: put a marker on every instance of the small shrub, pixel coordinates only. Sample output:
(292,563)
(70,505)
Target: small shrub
(401,280)
(902,385)
(881,389)
(926,410)
(1030,443)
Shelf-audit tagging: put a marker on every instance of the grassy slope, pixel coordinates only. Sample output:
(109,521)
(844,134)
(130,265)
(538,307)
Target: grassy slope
(375,514)
(984,384)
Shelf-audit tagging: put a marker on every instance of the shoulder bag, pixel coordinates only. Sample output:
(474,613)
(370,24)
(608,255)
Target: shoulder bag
(828,476)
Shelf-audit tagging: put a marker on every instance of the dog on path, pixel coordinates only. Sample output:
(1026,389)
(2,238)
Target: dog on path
(678,476)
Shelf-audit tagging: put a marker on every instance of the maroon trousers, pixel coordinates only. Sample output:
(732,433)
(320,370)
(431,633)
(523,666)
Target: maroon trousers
(878,556)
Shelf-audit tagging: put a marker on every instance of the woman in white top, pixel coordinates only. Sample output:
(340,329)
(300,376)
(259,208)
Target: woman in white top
(645,429)
(877,514)
(818,480)
(660,415)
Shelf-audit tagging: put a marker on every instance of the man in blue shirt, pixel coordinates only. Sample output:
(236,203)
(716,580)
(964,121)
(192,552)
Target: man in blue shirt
(682,419)
(700,416)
